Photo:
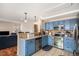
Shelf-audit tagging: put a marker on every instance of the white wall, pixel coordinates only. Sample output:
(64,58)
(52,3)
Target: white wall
(8,26)
(27,27)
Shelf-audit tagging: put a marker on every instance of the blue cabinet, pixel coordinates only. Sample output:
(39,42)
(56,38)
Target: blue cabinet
(26,47)
(30,47)
(50,26)
(62,22)
(44,40)
(69,44)
(43,26)
(50,40)
(56,23)
(67,25)
(47,26)
(72,23)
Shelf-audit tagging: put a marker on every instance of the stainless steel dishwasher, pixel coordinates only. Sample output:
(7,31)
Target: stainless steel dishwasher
(38,44)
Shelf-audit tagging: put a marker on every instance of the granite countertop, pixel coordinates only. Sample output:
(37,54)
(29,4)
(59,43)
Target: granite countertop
(31,37)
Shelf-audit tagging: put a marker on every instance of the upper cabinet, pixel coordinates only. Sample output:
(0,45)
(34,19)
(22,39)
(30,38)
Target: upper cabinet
(50,26)
(47,26)
(68,24)
(62,22)
(43,26)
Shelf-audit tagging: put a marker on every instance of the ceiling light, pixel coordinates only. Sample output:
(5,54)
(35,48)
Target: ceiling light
(35,18)
(25,21)
(25,17)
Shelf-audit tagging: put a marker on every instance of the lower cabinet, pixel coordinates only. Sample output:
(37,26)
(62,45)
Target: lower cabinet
(30,47)
(44,41)
(50,40)
(26,47)
(69,44)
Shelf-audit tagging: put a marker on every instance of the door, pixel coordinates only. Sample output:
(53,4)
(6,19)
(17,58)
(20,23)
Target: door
(50,26)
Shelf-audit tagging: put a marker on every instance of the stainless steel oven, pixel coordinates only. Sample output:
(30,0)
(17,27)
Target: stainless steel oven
(58,40)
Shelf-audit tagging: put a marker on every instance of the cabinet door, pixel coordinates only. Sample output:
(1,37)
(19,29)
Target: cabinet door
(43,26)
(50,40)
(66,45)
(30,45)
(56,23)
(47,26)
(44,41)
(69,44)
(72,23)
(62,22)
(67,24)
(53,24)
(50,26)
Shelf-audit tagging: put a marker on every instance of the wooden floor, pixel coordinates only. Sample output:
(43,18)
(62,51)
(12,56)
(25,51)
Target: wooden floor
(12,51)
(53,52)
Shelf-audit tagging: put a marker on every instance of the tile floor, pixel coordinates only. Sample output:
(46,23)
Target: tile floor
(53,52)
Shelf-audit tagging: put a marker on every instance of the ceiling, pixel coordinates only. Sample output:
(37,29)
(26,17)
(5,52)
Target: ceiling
(15,11)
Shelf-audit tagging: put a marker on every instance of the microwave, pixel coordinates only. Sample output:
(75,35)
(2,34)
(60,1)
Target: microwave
(59,27)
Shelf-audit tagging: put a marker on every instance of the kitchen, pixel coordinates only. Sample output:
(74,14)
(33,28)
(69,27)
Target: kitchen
(50,32)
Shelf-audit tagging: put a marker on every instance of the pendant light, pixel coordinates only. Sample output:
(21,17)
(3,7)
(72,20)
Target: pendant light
(25,17)
(35,18)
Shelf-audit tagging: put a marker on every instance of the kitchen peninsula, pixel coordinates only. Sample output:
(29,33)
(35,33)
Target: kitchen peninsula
(28,46)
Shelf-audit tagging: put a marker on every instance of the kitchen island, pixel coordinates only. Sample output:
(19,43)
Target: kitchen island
(31,45)
(26,46)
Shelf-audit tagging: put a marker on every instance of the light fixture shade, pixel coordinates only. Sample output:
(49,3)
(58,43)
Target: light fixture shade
(25,21)
(25,17)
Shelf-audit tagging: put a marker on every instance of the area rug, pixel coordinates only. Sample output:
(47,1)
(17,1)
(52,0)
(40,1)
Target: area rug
(12,51)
